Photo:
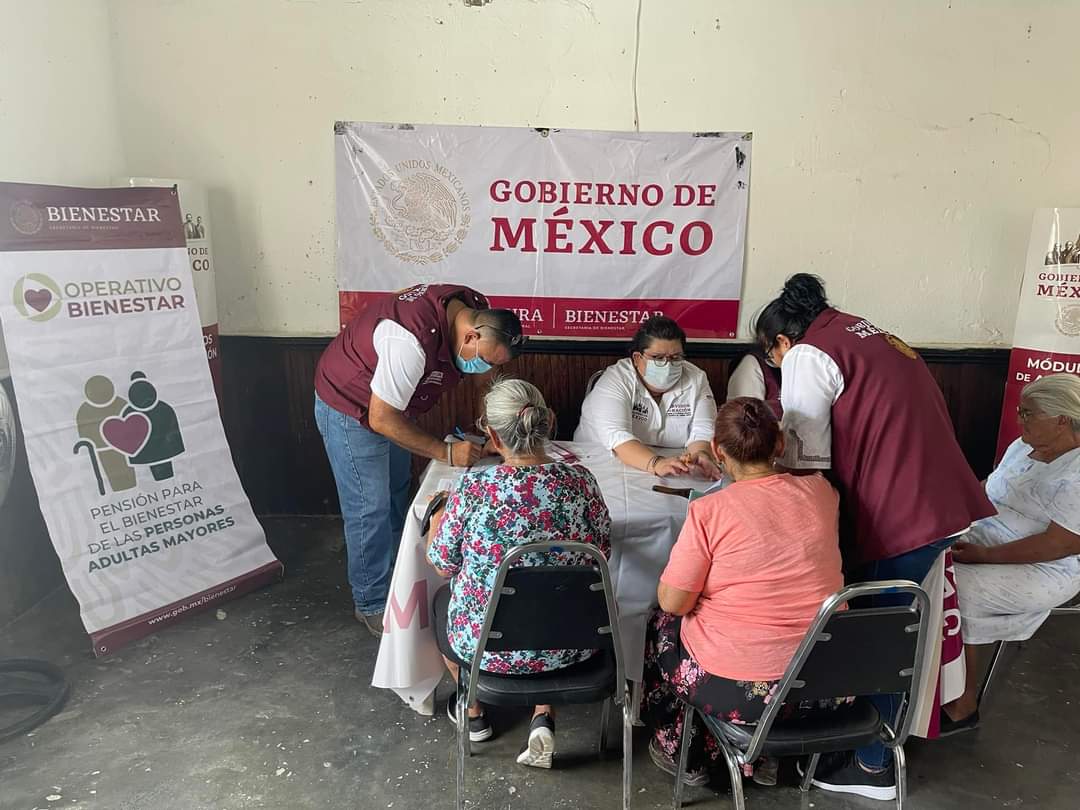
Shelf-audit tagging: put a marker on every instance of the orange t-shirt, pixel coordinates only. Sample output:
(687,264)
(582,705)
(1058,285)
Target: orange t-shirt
(764,554)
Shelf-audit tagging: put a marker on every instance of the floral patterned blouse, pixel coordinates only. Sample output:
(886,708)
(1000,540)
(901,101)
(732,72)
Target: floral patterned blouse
(495,509)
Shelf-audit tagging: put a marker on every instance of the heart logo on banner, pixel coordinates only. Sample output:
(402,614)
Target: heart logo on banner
(37,299)
(127,434)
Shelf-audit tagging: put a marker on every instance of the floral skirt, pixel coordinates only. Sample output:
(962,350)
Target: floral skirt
(672,673)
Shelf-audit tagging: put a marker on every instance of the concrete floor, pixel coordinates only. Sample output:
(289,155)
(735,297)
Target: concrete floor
(272,708)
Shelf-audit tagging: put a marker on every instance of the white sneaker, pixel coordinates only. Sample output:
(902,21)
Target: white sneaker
(541,746)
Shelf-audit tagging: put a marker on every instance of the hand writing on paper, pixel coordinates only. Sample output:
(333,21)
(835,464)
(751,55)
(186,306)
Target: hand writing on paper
(465,453)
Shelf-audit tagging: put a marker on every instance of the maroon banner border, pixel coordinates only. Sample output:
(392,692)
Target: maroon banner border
(107,640)
(35,217)
(593,318)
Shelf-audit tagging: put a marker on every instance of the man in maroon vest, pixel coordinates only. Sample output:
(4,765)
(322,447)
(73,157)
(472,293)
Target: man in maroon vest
(860,403)
(390,364)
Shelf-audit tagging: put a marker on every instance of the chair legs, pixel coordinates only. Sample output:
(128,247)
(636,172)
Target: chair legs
(811,769)
(901,776)
(463,743)
(995,661)
(464,748)
(738,799)
(684,751)
(605,720)
(628,748)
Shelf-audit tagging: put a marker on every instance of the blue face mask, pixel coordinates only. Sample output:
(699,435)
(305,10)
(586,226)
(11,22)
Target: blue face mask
(477,365)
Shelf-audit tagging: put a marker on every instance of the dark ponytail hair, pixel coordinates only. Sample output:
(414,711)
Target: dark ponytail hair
(792,312)
(747,430)
(658,327)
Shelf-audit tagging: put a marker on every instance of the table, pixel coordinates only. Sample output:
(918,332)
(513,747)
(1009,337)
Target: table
(644,526)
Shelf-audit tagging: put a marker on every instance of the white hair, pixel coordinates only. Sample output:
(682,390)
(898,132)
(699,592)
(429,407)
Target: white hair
(516,411)
(1056,395)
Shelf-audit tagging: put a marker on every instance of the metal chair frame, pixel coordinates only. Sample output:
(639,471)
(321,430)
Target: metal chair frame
(737,759)
(466,687)
(1070,608)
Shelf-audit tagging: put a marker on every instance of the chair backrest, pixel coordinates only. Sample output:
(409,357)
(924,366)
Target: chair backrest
(859,651)
(550,607)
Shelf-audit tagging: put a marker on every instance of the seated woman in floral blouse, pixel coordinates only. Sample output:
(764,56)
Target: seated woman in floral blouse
(527,499)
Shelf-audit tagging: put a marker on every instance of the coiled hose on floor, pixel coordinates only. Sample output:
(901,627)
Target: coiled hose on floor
(29,682)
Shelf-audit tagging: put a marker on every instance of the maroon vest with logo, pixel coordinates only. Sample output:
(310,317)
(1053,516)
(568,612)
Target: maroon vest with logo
(343,376)
(903,479)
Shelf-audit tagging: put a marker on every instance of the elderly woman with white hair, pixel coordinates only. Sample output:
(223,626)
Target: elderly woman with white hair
(528,498)
(1023,562)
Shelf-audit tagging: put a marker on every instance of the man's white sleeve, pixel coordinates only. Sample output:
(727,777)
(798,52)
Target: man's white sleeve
(400,366)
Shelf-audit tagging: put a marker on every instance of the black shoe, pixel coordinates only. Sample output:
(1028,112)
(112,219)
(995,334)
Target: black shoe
(479,727)
(853,778)
(948,726)
(668,765)
(826,763)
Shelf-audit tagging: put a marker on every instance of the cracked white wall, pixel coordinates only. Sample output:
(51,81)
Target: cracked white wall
(900,147)
(57,112)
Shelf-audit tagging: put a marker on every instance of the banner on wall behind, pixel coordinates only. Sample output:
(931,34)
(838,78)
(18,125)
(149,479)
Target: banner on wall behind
(122,430)
(584,233)
(195,210)
(1047,335)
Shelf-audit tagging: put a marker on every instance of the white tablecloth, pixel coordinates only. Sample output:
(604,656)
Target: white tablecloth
(644,526)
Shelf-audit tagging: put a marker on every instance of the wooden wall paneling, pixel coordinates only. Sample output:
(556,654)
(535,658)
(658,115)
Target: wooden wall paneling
(269,400)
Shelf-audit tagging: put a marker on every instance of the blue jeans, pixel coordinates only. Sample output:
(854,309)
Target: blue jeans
(372,476)
(914,565)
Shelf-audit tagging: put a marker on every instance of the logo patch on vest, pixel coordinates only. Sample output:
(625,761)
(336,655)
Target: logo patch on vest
(434,378)
(413,293)
(901,347)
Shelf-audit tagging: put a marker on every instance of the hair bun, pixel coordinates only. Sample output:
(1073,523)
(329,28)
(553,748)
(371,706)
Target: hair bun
(804,292)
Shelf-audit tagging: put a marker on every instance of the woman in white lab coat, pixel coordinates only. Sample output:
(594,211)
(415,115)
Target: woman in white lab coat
(653,399)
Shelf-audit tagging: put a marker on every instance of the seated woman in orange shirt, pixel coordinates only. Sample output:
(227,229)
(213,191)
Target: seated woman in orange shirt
(746,578)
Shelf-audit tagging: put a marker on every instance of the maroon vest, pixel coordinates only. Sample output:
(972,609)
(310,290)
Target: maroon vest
(343,376)
(903,479)
(772,385)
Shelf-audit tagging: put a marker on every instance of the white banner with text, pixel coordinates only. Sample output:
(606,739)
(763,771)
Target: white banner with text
(585,234)
(125,443)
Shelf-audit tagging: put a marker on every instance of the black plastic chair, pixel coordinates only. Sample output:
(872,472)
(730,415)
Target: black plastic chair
(860,651)
(550,607)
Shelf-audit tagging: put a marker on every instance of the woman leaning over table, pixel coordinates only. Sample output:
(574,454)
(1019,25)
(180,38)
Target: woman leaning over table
(1015,567)
(653,398)
(862,405)
(528,498)
(746,577)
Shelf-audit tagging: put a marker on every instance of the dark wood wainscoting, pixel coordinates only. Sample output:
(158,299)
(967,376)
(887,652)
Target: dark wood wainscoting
(269,417)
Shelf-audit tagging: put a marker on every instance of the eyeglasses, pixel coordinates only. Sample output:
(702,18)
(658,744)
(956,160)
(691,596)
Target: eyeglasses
(1026,414)
(663,359)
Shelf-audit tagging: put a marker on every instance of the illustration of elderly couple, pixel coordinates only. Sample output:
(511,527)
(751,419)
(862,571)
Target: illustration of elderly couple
(121,434)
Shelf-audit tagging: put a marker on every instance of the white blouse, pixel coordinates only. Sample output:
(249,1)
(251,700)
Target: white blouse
(620,408)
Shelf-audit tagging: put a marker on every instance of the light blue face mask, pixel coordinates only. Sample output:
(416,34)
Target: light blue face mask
(477,365)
